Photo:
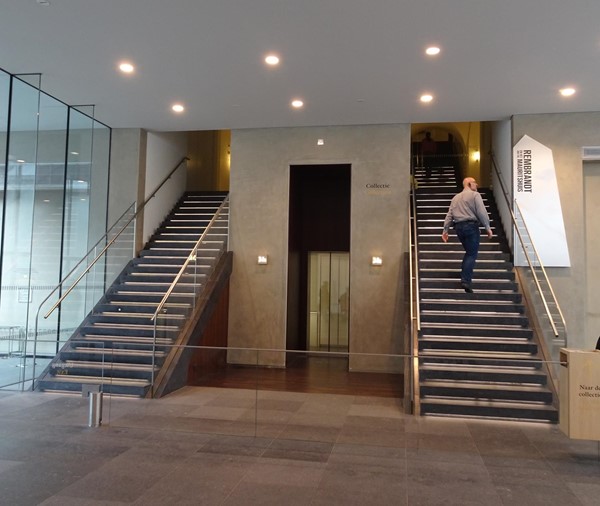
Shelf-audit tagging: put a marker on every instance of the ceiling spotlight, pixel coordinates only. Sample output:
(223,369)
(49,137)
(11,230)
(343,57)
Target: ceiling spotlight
(45,3)
(432,50)
(178,108)
(426,98)
(297,103)
(126,67)
(567,92)
(272,59)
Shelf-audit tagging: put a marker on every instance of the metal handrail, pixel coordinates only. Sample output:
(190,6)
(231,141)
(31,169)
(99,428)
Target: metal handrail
(542,268)
(415,309)
(531,267)
(84,257)
(190,257)
(416,250)
(108,245)
(59,302)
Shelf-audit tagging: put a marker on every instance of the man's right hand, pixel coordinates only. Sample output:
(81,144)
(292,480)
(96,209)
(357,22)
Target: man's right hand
(445,236)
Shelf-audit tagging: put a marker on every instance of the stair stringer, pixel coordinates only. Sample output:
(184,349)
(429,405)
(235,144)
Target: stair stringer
(173,372)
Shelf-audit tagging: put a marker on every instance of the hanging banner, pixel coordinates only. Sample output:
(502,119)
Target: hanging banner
(536,191)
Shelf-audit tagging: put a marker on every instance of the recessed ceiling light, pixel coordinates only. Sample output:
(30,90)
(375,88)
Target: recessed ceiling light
(567,92)
(297,103)
(178,108)
(272,59)
(20,161)
(74,153)
(432,50)
(126,67)
(426,98)
(45,3)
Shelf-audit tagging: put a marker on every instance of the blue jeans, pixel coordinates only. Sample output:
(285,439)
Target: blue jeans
(468,233)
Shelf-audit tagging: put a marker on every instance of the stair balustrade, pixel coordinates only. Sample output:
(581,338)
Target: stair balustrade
(550,321)
(181,297)
(84,285)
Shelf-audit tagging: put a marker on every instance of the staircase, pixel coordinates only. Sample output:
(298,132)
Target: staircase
(477,355)
(114,344)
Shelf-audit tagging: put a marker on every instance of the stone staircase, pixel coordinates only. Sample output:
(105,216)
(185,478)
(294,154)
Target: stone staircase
(114,346)
(477,353)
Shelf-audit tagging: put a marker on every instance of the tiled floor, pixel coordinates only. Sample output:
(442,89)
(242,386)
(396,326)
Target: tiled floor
(206,446)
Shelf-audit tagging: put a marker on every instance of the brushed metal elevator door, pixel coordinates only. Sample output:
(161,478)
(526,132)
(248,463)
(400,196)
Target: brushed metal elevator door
(328,301)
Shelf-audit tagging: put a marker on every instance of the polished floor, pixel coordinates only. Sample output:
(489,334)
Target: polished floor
(237,446)
(310,374)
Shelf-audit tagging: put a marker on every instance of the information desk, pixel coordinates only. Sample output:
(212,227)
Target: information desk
(579,394)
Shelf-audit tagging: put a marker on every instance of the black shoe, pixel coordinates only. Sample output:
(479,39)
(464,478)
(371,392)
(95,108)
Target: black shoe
(467,287)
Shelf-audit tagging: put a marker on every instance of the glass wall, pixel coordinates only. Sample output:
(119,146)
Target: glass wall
(54,167)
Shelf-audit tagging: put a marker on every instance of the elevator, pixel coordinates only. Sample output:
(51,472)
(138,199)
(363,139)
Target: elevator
(318,295)
(328,297)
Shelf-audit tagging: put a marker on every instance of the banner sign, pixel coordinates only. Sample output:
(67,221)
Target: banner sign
(536,191)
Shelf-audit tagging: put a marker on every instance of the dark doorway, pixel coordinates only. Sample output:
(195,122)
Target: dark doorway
(319,221)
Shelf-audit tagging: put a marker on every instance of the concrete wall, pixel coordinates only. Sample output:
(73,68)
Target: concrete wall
(500,143)
(260,169)
(565,134)
(164,151)
(127,167)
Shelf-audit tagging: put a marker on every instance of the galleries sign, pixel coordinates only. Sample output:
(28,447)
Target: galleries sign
(536,191)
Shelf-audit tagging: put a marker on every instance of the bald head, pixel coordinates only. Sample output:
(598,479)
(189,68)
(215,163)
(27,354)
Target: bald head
(470,183)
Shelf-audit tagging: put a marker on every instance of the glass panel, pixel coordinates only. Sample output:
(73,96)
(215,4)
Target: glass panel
(41,222)
(7,332)
(19,205)
(48,215)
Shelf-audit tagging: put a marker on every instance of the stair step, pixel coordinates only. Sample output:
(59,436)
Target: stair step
(464,331)
(110,355)
(446,346)
(459,295)
(73,383)
(489,409)
(472,306)
(108,369)
(139,342)
(482,358)
(470,318)
(484,390)
(477,373)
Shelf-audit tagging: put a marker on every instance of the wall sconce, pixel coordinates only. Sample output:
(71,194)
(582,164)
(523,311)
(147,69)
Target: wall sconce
(376,261)
(263,260)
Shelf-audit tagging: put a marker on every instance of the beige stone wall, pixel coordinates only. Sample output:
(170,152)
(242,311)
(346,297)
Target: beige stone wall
(260,167)
(565,134)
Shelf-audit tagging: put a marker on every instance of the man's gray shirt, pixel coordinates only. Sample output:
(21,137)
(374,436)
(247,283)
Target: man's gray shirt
(467,206)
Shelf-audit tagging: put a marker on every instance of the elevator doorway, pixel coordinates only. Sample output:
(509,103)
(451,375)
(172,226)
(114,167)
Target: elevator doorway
(328,297)
(319,223)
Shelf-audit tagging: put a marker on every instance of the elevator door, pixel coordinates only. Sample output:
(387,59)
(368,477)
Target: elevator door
(328,301)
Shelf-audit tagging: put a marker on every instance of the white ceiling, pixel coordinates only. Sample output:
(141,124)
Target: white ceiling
(351,61)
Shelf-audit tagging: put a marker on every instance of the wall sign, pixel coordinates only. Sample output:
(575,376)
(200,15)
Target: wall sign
(378,188)
(536,191)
